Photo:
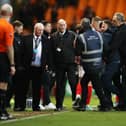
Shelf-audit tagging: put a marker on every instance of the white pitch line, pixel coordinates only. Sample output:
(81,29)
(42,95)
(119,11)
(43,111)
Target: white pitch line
(32,117)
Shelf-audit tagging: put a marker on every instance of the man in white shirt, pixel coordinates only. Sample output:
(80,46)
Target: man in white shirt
(35,60)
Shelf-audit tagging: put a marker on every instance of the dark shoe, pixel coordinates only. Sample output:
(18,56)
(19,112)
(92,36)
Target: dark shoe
(81,108)
(9,115)
(104,109)
(5,116)
(76,103)
(59,109)
(19,109)
(120,108)
(36,109)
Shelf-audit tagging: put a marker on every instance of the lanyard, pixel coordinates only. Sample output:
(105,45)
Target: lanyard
(37,41)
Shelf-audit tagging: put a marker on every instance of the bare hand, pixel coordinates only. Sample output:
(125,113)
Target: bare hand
(77,59)
(12,70)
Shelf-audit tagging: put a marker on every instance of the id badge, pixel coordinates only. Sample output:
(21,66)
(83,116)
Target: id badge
(34,54)
(35,51)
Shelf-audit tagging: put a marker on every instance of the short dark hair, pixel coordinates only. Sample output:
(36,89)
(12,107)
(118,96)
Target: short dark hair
(17,23)
(78,27)
(108,22)
(85,23)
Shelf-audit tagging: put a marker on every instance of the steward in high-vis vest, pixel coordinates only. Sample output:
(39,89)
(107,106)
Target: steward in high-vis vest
(91,48)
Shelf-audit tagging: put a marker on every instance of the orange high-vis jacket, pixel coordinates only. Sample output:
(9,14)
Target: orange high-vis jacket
(6,35)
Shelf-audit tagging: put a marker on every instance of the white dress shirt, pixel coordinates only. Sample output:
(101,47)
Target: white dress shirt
(37,52)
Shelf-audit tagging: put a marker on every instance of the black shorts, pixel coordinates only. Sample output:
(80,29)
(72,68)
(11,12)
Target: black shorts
(4,68)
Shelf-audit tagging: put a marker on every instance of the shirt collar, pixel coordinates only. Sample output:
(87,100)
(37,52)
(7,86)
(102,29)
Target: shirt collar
(62,33)
(35,37)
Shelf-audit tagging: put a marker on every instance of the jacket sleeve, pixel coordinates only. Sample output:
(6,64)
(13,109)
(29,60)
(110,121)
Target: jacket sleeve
(22,50)
(79,46)
(116,42)
(51,63)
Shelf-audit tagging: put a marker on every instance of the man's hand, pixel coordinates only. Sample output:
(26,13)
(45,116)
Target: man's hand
(77,60)
(12,70)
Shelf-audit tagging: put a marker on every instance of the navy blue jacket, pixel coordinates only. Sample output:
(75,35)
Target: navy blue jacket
(109,55)
(91,51)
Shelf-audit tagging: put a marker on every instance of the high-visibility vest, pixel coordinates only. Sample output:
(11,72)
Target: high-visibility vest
(93,46)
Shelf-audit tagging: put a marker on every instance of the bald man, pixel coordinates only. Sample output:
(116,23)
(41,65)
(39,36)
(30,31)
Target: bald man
(64,58)
(6,54)
(35,60)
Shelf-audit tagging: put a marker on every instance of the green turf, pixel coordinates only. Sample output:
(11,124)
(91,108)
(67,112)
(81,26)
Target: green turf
(76,119)
(73,118)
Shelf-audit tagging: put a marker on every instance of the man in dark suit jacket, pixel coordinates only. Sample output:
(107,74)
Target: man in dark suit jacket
(16,81)
(35,60)
(64,61)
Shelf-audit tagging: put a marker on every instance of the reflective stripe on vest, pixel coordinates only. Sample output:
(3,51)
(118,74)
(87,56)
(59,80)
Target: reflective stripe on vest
(88,53)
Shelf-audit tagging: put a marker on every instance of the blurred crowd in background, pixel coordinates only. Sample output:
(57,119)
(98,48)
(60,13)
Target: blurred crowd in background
(32,11)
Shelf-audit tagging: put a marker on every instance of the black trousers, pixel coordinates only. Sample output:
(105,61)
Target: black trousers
(9,92)
(14,88)
(38,78)
(4,68)
(95,78)
(4,77)
(61,71)
(21,86)
(111,70)
(122,100)
(52,82)
(46,82)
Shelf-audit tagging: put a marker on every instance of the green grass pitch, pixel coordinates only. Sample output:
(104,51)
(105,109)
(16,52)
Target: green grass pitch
(72,118)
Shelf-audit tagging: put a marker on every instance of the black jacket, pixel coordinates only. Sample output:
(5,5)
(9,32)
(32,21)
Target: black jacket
(28,51)
(49,51)
(108,54)
(18,50)
(62,47)
(120,42)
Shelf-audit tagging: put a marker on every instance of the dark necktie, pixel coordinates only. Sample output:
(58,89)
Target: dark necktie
(36,42)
